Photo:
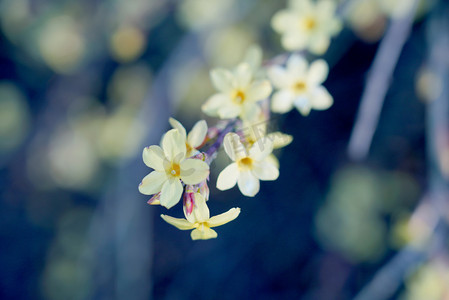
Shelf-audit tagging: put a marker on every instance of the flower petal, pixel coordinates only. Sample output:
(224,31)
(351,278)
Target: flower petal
(214,103)
(279,139)
(204,234)
(261,149)
(197,134)
(318,72)
(321,99)
(250,111)
(228,177)
(222,79)
(297,64)
(282,20)
(152,183)
(319,44)
(193,171)
(154,157)
(229,111)
(265,170)
(177,125)
(248,184)
(233,146)
(242,76)
(258,90)
(174,145)
(282,101)
(279,77)
(253,57)
(200,211)
(182,224)
(293,41)
(224,218)
(171,192)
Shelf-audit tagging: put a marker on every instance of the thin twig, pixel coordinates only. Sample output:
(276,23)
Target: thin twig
(377,85)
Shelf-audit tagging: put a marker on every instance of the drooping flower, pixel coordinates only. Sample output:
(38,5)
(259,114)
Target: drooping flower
(307,25)
(199,219)
(300,86)
(170,167)
(238,93)
(195,138)
(248,167)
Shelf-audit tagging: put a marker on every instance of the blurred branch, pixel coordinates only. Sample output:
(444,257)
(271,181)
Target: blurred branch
(377,85)
(388,279)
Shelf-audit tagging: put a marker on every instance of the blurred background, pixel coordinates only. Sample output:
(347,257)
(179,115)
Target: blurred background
(85,85)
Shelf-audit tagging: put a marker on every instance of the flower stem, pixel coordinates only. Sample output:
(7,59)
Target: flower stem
(211,153)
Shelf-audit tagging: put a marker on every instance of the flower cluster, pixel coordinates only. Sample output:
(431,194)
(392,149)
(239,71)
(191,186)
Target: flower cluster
(244,102)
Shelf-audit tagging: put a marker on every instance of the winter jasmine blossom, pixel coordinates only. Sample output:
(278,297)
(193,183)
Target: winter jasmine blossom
(238,93)
(307,25)
(300,85)
(195,138)
(197,217)
(170,167)
(248,167)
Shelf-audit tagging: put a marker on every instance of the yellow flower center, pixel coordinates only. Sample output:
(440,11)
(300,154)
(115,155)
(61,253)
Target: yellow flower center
(239,97)
(175,170)
(188,148)
(245,163)
(309,23)
(300,87)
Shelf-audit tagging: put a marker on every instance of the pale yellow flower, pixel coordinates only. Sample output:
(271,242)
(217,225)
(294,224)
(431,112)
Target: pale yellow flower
(307,25)
(200,220)
(238,93)
(300,85)
(170,167)
(249,166)
(195,138)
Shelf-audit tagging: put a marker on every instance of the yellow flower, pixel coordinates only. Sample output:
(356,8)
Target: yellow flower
(307,25)
(200,220)
(300,85)
(195,138)
(170,167)
(238,93)
(249,166)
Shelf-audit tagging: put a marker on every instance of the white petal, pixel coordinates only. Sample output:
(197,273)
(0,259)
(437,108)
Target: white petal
(204,234)
(200,211)
(222,79)
(248,184)
(174,145)
(258,90)
(214,103)
(171,192)
(250,111)
(282,20)
(321,99)
(294,41)
(282,101)
(279,139)
(177,125)
(253,57)
(261,149)
(265,170)
(229,111)
(317,72)
(319,44)
(242,76)
(233,146)
(297,64)
(279,77)
(272,160)
(224,218)
(154,157)
(197,134)
(182,224)
(228,177)
(152,183)
(303,6)
(193,171)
